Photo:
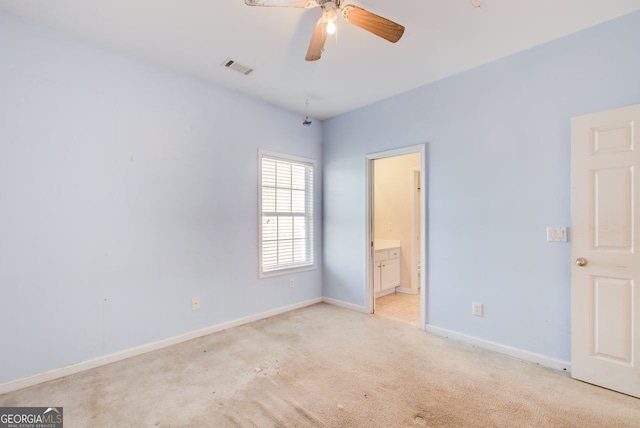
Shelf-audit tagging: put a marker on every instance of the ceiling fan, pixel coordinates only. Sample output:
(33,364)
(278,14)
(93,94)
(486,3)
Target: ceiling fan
(355,15)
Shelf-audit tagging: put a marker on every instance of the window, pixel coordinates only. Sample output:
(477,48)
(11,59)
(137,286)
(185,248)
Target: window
(287,192)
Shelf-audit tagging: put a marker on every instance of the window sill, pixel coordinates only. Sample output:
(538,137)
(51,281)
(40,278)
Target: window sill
(286,271)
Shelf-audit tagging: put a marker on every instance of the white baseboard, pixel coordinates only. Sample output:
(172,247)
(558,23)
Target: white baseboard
(385,292)
(406,290)
(345,305)
(35,379)
(503,349)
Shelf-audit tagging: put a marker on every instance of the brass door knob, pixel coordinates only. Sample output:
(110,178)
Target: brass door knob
(581,262)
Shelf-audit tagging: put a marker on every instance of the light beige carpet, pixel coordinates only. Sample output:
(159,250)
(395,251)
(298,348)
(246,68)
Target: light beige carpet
(326,366)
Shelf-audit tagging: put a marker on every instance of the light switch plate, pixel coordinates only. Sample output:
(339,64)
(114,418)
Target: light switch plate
(557,234)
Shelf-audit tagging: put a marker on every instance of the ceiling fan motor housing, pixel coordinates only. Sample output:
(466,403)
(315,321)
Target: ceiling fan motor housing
(322,3)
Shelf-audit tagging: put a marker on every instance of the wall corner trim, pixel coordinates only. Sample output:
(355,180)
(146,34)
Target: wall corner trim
(542,360)
(345,305)
(14,385)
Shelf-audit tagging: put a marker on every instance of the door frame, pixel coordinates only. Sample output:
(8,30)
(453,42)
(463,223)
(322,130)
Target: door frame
(421,149)
(416,196)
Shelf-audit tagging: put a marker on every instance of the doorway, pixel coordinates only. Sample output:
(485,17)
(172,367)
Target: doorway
(397,219)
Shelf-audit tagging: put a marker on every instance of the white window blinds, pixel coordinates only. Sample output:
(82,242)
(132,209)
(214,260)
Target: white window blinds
(287,213)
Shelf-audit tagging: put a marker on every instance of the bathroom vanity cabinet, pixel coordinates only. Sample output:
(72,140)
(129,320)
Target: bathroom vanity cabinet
(386,269)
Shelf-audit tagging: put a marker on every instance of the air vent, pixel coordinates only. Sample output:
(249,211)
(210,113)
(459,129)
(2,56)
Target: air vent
(236,66)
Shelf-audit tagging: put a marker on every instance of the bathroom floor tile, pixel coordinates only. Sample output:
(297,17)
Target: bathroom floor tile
(400,307)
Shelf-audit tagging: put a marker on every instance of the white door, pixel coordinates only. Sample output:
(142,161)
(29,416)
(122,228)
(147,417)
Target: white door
(605,305)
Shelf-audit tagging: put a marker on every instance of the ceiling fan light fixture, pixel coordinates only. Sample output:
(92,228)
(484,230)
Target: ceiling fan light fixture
(330,16)
(331,26)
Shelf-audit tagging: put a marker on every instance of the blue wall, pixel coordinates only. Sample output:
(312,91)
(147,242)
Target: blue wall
(499,141)
(126,190)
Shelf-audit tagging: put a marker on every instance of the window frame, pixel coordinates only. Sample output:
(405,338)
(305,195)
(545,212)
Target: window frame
(285,270)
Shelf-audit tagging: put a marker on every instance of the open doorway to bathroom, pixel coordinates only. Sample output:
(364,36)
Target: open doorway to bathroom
(396,238)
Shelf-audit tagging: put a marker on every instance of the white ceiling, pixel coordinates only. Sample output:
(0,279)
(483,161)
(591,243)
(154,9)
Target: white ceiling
(442,37)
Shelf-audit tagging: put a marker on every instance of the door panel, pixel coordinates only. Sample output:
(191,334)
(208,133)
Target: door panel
(613,213)
(604,205)
(612,319)
(612,139)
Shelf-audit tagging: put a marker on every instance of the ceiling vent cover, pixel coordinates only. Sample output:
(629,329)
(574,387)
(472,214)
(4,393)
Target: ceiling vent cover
(236,66)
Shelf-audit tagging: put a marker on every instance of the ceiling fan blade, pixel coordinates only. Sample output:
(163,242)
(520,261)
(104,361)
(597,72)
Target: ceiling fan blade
(318,39)
(282,3)
(373,23)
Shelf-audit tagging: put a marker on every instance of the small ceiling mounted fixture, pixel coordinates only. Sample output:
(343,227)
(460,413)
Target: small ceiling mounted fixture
(355,15)
(476,3)
(307,121)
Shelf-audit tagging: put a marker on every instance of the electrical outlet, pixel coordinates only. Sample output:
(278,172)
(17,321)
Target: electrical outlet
(477,309)
(195,303)
(291,283)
